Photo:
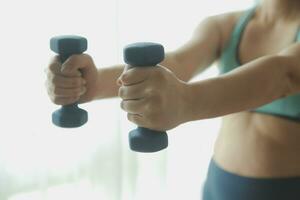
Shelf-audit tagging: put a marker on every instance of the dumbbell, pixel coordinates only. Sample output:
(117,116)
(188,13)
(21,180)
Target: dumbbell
(69,116)
(145,54)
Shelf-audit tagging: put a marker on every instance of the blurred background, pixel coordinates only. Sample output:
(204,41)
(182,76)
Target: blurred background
(39,161)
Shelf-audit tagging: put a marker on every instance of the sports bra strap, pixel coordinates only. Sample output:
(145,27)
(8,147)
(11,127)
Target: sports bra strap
(240,27)
(298,35)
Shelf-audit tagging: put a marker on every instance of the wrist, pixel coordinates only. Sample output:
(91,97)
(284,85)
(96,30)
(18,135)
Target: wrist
(186,108)
(92,86)
(197,100)
(97,92)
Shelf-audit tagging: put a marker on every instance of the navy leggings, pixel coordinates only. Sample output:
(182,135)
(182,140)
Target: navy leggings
(223,185)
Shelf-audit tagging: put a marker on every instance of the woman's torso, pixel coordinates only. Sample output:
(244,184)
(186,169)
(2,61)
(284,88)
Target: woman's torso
(255,144)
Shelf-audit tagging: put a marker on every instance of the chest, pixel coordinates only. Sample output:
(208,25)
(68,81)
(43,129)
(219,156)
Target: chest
(257,41)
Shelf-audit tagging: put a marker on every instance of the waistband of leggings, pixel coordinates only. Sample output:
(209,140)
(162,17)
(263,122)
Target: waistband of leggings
(219,171)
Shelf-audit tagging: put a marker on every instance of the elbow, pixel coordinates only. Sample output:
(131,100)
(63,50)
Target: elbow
(288,66)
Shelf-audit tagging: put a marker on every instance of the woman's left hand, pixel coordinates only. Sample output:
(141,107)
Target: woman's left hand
(153,97)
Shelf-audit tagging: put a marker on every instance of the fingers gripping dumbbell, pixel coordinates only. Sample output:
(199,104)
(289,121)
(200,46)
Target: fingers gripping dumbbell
(69,116)
(141,55)
(136,55)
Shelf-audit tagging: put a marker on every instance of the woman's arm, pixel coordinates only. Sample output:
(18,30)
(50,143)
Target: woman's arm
(185,62)
(65,84)
(249,86)
(199,52)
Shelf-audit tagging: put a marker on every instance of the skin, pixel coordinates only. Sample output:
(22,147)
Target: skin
(161,98)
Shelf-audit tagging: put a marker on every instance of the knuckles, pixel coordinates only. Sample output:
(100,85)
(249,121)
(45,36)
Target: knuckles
(57,101)
(131,118)
(63,101)
(55,91)
(153,93)
(54,65)
(122,105)
(121,92)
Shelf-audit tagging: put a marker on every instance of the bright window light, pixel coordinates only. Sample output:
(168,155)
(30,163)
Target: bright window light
(39,161)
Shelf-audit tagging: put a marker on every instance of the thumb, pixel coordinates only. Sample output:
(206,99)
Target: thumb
(75,63)
(119,80)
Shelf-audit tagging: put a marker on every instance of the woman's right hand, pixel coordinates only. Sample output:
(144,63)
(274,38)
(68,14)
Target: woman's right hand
(73,81)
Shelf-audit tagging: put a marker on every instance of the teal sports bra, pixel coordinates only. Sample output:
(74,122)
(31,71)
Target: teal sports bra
(287,107)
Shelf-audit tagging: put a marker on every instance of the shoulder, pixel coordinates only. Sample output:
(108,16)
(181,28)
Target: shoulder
(215,30)
(225,23)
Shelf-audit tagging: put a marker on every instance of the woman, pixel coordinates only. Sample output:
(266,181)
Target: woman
(256,154)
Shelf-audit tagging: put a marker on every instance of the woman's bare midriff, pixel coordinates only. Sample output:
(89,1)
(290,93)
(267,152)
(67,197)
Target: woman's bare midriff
(254,144)
(258,145)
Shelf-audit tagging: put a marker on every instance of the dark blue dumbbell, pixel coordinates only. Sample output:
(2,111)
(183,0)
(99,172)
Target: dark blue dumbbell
(69,116)
(142,55)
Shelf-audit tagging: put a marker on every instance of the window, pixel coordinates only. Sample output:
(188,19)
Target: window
(41,161)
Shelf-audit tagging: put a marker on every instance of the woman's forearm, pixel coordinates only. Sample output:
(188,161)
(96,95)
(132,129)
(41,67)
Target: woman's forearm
(107,77)
(249,86)
(106,83)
